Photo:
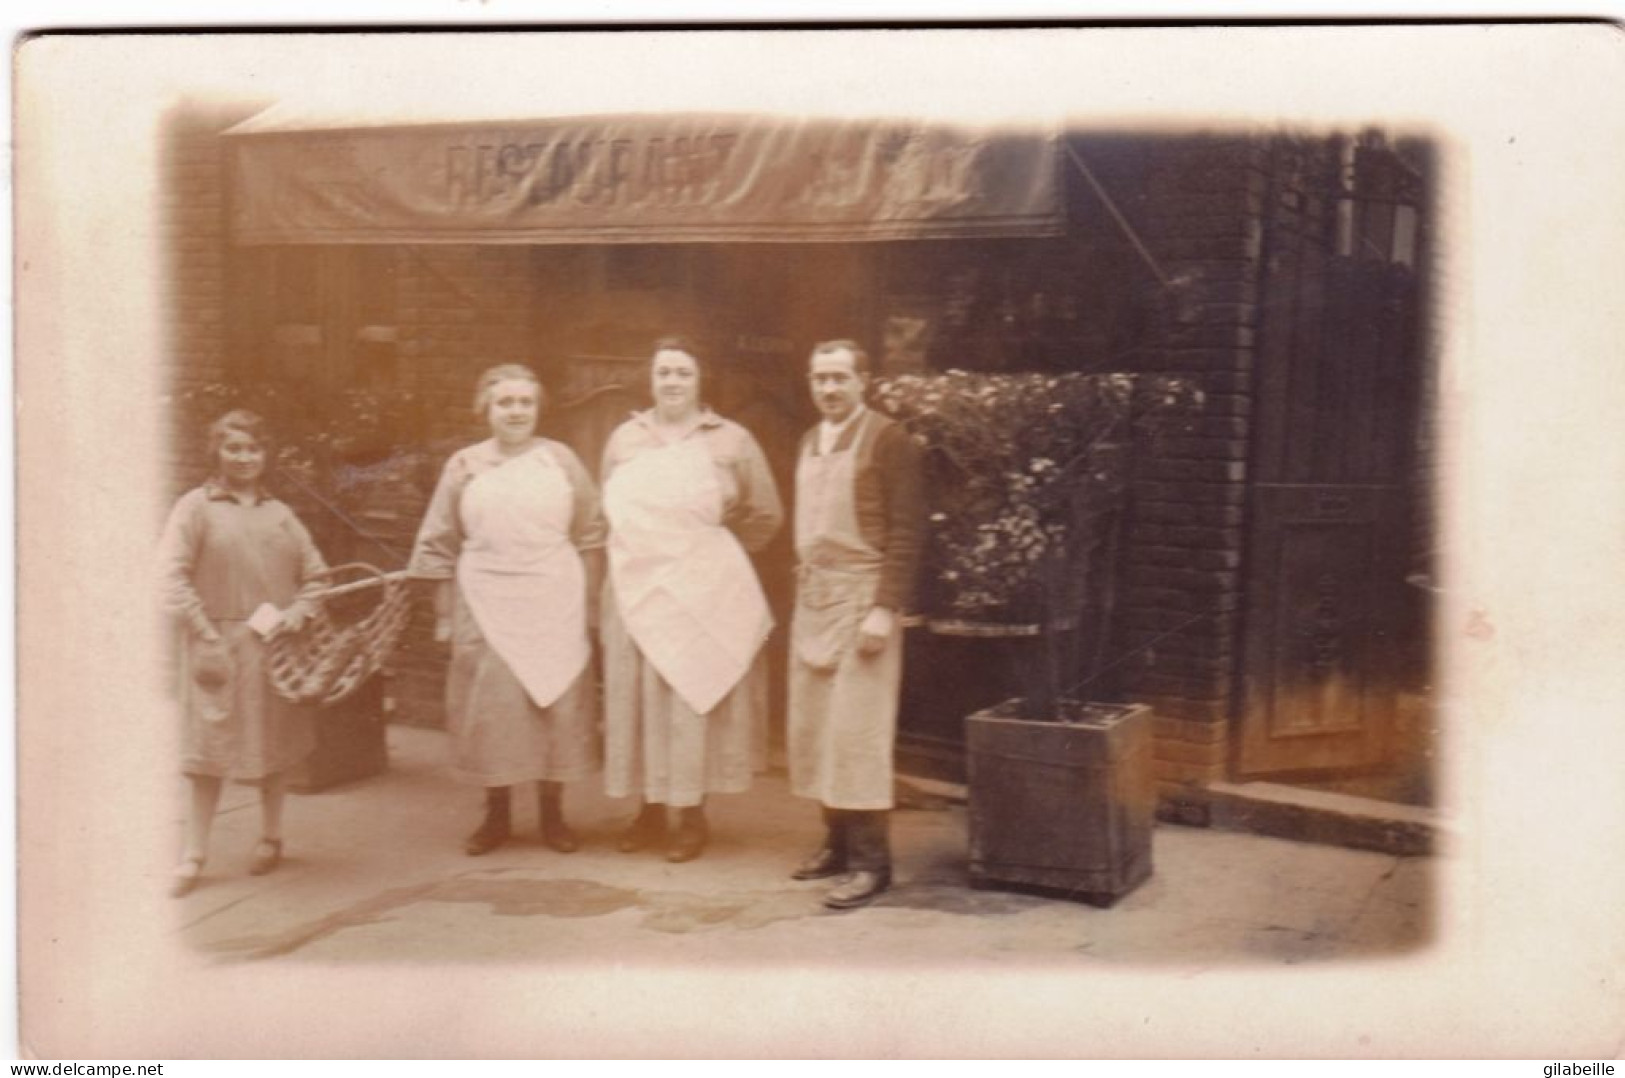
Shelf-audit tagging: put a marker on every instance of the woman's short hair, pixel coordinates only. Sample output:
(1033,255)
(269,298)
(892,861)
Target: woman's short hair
(860,358)
(504,372)
(238,421)
(685,345)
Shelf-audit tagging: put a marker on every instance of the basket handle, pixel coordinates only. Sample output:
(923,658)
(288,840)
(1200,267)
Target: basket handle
(376,578)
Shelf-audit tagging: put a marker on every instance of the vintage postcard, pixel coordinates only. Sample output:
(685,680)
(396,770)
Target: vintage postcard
(1084,542)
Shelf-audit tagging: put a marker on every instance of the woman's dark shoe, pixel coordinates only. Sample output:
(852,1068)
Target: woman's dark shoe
(646,830)
(821,866)
(497,826)
(689,838)
(858,889)
(555,832)
(267,855)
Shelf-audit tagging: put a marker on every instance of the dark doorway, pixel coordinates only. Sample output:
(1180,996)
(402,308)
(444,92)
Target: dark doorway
(1335,643)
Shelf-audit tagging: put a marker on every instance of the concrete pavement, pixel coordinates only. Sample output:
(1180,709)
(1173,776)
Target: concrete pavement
(375,873)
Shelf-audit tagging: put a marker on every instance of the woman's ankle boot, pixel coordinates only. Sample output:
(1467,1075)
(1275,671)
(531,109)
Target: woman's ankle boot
(647,829)
(497,825)
(690,836)
(555,832)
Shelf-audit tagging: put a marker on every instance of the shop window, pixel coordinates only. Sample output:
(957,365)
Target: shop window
(372,331)
(1377,218)
(323,317)
(298,285)
(374,356)
(374,270)
(643,268)
(615,301)
(1063,304)
(1406,221)
(316,326)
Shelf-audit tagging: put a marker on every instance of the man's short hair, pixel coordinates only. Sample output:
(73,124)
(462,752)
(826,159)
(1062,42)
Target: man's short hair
(860,358)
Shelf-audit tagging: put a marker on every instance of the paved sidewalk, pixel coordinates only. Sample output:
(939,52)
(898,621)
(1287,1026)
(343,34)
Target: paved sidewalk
(375,873)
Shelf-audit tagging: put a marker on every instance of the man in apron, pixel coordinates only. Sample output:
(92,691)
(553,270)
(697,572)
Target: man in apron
(859,530)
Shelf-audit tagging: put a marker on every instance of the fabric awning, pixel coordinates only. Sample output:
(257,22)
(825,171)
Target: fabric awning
(639,179)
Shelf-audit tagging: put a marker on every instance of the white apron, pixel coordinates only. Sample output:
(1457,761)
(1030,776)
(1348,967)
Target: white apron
(683,585)
(520,575)
(843,706)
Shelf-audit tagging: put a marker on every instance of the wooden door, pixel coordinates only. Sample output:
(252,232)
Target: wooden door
(1337,390)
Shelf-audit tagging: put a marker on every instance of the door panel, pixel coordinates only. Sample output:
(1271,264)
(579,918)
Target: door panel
(1320,695)
(1337,386)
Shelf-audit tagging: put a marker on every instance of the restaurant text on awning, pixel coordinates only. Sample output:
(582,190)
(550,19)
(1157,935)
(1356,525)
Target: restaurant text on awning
(641,179)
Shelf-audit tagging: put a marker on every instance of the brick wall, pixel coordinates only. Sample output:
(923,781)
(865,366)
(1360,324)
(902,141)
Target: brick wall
(192,224)
(461,308)
(1182,591)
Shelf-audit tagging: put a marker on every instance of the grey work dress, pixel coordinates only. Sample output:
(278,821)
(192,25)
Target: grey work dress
(219,560)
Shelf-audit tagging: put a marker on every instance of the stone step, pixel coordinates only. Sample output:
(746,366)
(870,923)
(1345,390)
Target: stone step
(1263,808)
(1333,819)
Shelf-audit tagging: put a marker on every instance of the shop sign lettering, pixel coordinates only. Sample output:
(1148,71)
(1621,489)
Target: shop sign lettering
(589,172)
(642,180)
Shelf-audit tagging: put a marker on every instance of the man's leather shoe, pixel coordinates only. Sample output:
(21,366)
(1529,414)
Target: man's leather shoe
(858,889)
(820,866)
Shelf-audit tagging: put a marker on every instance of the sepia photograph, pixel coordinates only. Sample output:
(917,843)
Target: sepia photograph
(813,543)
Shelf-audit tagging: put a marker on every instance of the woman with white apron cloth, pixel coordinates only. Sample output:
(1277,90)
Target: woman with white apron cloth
(513,536)
(686,494)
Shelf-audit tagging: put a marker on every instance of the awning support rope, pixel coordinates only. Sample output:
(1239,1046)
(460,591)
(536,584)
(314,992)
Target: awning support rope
(1117,215)
(343,517)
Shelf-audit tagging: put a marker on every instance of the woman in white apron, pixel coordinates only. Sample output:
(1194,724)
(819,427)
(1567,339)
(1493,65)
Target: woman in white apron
(687,494)
(513,536)
(229,547)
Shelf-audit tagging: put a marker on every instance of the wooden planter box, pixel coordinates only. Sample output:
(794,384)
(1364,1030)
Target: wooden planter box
(1063,808)
(349,742)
